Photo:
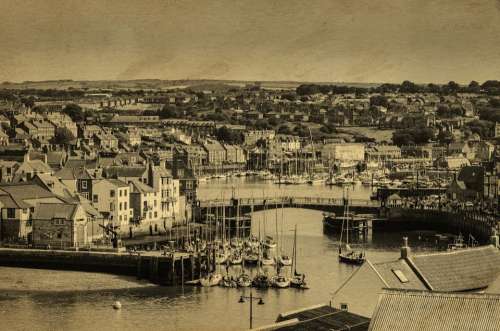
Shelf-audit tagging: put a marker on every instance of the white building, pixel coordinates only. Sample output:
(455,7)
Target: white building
(111,198)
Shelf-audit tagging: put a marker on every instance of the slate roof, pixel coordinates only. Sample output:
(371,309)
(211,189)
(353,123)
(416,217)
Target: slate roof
(386,271)
(48,211)
(460,270)
(79,163)
(73,174)
(141,187)
(404,310)
(114,172)
(321,317)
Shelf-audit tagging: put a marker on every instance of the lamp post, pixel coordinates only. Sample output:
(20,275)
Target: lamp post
(251,298)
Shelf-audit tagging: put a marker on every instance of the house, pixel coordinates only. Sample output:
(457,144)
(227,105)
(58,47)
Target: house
(7,170)
(17,203)
(111,198)
(28,168)
(106,141)
(215,152)
(462,149)
(77,180)
(343,152)
(60,225)
(452,162)
(145,205)
(472,269)
(468,185)
(318,317)
(4,138)
(383,153)
(416,310)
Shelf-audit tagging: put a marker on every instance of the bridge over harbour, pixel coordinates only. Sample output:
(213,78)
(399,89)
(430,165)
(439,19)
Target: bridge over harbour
(381,216)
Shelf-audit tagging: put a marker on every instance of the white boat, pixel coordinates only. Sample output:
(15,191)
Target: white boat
(211,280)
(228,281)
(244,280)
(330,181)
(280,281)
(316,181)
(267,261)
(285,260)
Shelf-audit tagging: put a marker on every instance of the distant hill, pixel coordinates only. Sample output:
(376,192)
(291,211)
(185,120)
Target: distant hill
(155,84)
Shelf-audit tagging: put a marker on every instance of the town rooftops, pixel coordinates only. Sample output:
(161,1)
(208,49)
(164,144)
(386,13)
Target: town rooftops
(116,172)
(141,187)
(114,182)
(410,310)
(320,317)
(460,270)
(48,211)
(73,174)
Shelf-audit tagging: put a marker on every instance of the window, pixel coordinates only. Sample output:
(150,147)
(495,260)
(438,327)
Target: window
(125,204)
(156,214)
(85,195)
(111,207)
(95,198)
(401,276)
(112,193)
(84,184)
(11,213)
(155,203)
(150,215)
(125,192)
(120,206)
(120,192)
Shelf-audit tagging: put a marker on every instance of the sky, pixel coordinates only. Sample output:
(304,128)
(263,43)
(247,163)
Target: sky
(257,40)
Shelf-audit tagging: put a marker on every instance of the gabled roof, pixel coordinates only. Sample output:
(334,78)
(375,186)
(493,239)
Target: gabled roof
(406,310)
(114,182)
(388,271)
(48,211)
(461,270)
(73,174)
(141,187)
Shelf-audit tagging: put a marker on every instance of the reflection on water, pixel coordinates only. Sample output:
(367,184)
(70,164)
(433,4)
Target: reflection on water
(192,308)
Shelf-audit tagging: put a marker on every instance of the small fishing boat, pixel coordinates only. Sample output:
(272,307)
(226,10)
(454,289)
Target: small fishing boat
(267,260)
(298,280)
(346,253)
(244,280)
(261,281)
(280,281)
(251,258)
(228,281)
(236,258)
(211,280)
(285,260)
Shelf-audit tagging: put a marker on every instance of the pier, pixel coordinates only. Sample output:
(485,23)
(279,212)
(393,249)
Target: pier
(170,269)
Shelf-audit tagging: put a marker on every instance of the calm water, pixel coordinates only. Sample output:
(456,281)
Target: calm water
(70,301)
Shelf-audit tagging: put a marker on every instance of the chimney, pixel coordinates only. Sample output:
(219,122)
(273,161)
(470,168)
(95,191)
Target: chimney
(405,249)
(27,156)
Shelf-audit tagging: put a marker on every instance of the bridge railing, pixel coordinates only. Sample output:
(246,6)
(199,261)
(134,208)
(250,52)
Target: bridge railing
(289,201)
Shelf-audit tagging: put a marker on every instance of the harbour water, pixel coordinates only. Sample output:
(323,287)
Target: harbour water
(65,300)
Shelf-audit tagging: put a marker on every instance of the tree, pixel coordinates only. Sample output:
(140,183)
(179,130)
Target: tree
(445,137)
(284,129)
(63,136)
(379,100)
(228,136)
(74,111)
(474,87)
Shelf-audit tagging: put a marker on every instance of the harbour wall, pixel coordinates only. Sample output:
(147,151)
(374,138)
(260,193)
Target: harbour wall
(162,270)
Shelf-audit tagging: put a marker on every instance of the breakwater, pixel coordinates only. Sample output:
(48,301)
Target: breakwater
(171,269)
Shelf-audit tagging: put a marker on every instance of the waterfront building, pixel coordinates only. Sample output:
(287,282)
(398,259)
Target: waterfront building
(414,310)
(343,152)
(59,225)
(111,198)
(216,154)
(252,136)
(17,203)
(472,269)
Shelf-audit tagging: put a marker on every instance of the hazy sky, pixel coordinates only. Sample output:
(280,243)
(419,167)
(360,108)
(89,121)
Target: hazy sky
(307,40)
